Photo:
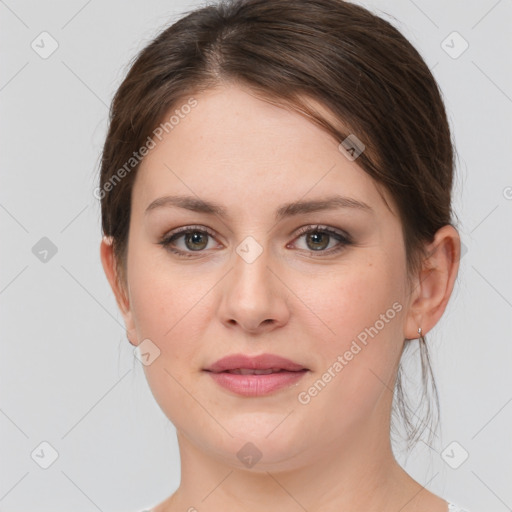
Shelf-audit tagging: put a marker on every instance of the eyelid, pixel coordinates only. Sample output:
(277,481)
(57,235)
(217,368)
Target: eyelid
(323,227)
(300,231)
(192,227)
(343,238)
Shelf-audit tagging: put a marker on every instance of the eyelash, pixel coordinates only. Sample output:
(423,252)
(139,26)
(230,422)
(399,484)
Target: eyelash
(343,239)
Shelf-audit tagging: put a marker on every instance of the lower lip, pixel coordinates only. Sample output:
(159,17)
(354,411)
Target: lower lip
(256,385)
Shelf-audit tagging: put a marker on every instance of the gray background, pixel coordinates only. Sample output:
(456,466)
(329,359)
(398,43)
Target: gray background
(68,375)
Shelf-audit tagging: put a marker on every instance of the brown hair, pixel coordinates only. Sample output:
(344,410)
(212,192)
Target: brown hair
(349,60)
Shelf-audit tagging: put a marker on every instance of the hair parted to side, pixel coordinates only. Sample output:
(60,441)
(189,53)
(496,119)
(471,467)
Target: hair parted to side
(339,54)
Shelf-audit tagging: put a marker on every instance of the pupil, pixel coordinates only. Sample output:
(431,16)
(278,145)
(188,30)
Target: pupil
(196,239)
(316,236)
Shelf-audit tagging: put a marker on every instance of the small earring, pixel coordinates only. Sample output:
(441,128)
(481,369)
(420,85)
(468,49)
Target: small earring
(419,332)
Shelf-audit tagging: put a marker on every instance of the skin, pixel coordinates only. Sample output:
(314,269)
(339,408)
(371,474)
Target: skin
(333,453)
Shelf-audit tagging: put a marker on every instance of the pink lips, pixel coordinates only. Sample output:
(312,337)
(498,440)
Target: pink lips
(255,376)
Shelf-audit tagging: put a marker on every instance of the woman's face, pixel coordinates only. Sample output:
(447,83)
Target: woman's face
(248,282)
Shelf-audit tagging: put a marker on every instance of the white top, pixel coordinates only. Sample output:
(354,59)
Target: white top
(451,508)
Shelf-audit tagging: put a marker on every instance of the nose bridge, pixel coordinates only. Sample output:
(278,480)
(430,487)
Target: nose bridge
(251,281)
(251,296)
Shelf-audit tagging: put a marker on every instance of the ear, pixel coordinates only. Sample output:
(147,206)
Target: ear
(434,284)
(121,294)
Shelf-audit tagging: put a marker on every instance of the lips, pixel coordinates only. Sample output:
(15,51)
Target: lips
(263,364)
(256,376)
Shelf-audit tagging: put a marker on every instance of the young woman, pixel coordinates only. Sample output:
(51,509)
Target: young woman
(276,208)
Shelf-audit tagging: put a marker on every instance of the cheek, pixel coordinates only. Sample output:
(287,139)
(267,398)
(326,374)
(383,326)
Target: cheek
(154,305)
(159,295)
(363,311)
(348,301)
(162,312)
(168,308)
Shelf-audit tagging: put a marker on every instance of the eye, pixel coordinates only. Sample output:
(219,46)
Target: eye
(195,240)
(318,238)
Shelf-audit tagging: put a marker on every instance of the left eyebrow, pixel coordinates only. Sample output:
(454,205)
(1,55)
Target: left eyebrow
(287,210)
(316,205)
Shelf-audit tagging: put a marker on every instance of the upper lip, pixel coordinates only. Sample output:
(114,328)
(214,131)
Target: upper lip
(260,362)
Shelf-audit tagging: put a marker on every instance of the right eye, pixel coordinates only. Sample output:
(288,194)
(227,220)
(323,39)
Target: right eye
(195,239)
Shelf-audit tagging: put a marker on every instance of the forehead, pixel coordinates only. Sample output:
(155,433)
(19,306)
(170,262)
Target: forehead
(238,149)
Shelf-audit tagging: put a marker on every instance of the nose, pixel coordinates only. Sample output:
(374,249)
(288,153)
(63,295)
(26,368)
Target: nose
(253,297)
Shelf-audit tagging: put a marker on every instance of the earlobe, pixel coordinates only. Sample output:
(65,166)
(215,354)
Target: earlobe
(110,268)
(435,282)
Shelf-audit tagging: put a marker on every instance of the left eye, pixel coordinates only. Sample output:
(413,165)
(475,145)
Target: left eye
(318,239)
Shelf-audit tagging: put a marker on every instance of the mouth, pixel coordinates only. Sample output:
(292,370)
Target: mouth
(249,371)
(255,376)
(256,365)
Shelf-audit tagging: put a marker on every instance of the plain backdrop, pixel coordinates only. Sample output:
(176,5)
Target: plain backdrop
(72,395)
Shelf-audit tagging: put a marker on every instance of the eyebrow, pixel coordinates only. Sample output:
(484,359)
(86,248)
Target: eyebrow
(287,210)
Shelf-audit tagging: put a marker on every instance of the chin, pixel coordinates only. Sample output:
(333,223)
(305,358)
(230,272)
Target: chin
(260,449)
